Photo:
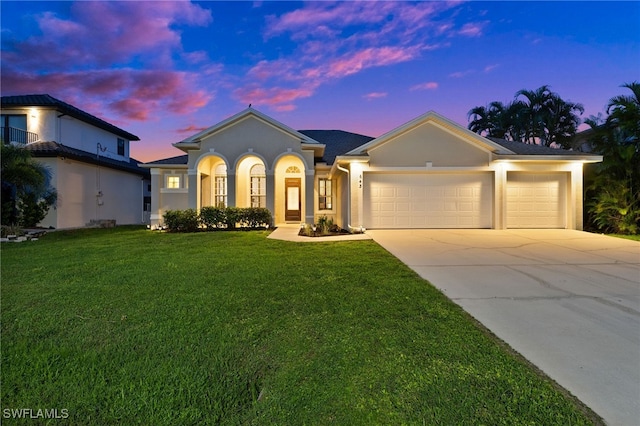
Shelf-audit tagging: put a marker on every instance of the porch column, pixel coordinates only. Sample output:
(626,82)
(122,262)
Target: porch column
(231,189)
(194,188)
(500,197)
(309,195)
(575,206)
(271,194)
(156,182)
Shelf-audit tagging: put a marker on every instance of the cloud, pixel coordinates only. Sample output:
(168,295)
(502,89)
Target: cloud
(110,33)
(460,74)
(430,85)
(135,94)
(370,57)
(491,67)
(120,51)
(279,98)
(375,95)
(191,129)
(473,29)
(334,40)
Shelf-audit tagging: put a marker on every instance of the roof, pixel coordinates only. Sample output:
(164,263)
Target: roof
(439,120)
(337,142)
(241,116)
(520,148)
(65,108)
(180,159)
(54,149)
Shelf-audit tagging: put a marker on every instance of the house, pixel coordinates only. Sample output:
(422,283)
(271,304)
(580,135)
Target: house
(89,160)
(427,173)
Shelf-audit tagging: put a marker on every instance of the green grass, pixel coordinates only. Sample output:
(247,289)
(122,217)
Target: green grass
(628,237)
(129,326)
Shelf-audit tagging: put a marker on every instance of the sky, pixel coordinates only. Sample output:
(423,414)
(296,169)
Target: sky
(166,70)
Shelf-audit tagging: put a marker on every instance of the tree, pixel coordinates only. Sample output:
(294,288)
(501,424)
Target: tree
(26,192)
(535,116)
(615,189)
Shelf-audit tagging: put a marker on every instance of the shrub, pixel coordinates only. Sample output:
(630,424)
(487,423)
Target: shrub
(232,217)
(182,220)
(213,217)
(255,217)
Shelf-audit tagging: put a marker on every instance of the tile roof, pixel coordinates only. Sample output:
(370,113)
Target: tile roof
(337,142)
(54,149)
(520,148)
(49,101)
(180,159)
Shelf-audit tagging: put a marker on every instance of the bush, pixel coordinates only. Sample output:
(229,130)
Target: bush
(255,217)
(213,218)
(233,216)
(182,220)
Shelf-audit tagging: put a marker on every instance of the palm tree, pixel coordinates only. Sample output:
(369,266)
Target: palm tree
(561,121)
(24,182)
(624,111)
(492,120)
(535,116)
(615,189)
(548,118)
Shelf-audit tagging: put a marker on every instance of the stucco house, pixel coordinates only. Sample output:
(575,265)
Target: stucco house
(427,173)
(88,158)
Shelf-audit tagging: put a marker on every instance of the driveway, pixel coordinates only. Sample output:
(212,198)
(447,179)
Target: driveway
(568,301)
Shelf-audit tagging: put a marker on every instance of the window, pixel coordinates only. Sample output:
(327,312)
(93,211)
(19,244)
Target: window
(258,186)
(173,182)
(325,194)
(292,169)
(120,146)
(14,129)
(220,195)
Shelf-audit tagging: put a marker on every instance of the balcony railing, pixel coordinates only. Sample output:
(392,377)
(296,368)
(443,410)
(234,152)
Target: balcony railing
(19,136)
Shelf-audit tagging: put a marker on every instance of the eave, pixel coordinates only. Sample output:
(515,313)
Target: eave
(498,158)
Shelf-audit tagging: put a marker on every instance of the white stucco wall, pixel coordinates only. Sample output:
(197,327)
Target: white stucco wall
(428,142)
(79,185)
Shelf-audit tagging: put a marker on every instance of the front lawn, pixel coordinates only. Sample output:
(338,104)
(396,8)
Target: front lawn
(129,326)
(628,237)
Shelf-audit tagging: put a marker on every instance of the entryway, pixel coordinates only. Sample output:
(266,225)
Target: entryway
(293,200)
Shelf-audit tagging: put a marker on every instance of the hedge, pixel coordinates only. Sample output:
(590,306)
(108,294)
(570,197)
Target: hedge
(216,218)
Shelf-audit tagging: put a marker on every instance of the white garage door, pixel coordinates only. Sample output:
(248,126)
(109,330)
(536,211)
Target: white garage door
(536,200)
(427,200)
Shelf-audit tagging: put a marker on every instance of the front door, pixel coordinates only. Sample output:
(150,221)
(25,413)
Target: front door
(292,200)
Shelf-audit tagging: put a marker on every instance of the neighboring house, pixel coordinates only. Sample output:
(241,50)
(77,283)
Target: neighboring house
(88,158)
(427,173)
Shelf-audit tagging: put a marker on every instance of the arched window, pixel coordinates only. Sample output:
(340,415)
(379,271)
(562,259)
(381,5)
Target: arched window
(258,186)
(292,169)
(220,195)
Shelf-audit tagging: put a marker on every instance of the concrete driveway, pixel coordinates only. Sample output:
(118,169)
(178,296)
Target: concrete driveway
(568,301)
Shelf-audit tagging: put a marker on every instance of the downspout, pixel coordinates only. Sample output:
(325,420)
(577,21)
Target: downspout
(348,194)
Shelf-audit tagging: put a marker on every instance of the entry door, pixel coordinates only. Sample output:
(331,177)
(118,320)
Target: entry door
(292,200)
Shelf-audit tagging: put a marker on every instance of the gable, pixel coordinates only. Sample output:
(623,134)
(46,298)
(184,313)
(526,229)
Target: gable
(428,142)
(251,133)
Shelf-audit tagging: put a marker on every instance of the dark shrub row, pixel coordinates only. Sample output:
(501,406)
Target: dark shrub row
(216,218)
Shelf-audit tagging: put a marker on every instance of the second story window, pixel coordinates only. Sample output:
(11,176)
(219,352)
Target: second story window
(14,129)
(120,146)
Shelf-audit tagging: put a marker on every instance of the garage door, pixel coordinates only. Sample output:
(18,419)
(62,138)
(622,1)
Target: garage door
(536,200)
(427,200)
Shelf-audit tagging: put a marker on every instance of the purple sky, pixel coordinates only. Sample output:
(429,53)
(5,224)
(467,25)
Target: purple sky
(165,70)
